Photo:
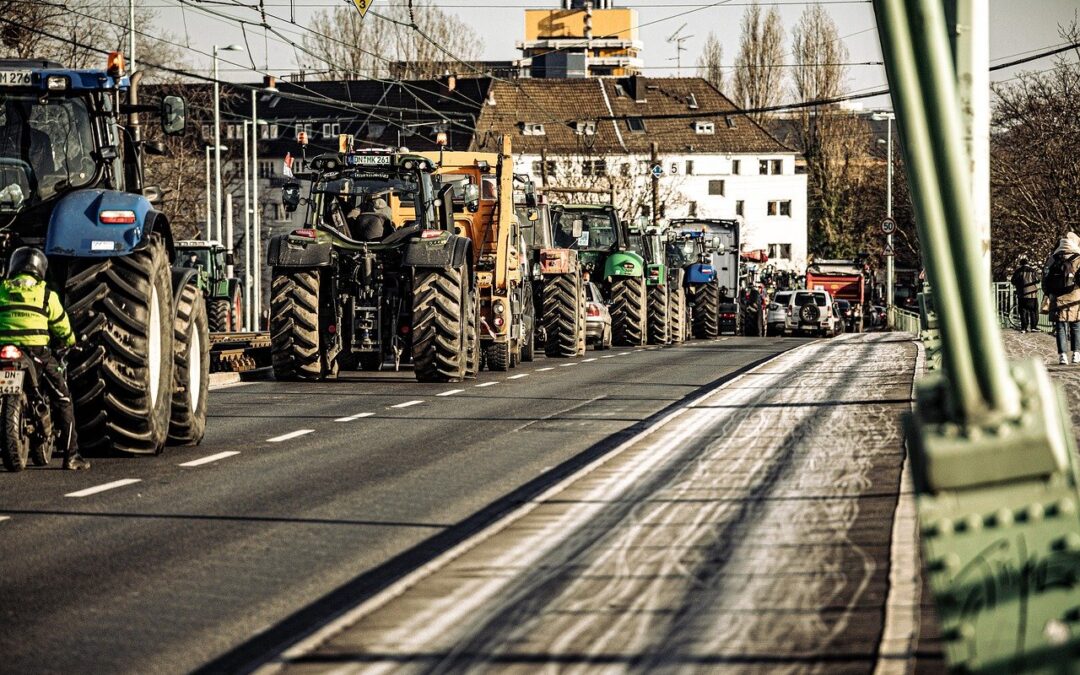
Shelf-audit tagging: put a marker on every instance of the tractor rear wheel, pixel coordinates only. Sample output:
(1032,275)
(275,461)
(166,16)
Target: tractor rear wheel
(122,385)
(218,316)
(582,337)
(474,357)
(677,317)
(440,320)
(498,357)
(187,423)
(294,324)
(706,319)
(659,315)
(628,311)
(528,337)
(562,307)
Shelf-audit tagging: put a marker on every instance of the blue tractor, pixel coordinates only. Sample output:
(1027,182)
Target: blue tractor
(72,183)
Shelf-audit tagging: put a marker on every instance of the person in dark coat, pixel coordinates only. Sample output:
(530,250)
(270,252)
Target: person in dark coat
(1026,282)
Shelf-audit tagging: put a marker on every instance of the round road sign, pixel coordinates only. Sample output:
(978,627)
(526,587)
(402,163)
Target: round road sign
(888,226)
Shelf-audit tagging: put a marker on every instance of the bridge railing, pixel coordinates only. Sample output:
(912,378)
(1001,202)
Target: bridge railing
(1008,309)
(903,320)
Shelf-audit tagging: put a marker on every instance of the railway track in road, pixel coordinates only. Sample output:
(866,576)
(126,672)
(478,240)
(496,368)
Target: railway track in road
(306,497)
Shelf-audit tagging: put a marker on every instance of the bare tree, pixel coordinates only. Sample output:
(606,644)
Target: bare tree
(385,44)
(1035,160)
(759,67)
(709,62)
(622,181)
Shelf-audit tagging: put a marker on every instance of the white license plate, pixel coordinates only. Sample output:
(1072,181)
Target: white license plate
(11,381)
(102,245)
(14,78)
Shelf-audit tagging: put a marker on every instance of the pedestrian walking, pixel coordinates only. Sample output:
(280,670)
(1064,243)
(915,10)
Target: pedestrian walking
(1060,284)
(1026,282)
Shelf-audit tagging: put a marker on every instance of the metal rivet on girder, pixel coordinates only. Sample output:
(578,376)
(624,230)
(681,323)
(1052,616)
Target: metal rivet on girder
(1003,518)
(964,631)
(944,527)
(1057,632)
(1066,507)
(974,522)
(1034,512)
(1070,542)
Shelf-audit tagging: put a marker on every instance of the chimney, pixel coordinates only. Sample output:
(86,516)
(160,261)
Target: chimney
(635,87)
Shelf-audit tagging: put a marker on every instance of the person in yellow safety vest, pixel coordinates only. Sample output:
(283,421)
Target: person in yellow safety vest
(31,316)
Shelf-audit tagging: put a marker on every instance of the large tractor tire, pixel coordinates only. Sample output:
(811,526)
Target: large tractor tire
(191,350)
(122,386)
(440,324)
(236,310)
(628,311)
(677,317)
(562,308)
(706,318)
(294,325)
(497,356)
(474,356)
(528,337)
(659,322)
(218,316)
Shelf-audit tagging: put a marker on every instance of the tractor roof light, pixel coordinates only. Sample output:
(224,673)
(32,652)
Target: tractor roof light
(115,66)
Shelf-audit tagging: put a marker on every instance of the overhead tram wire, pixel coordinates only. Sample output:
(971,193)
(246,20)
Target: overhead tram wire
(814,103)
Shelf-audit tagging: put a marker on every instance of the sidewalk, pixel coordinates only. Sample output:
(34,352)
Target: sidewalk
(750,531)
(1042,345)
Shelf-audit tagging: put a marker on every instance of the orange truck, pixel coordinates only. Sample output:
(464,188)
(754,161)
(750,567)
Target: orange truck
(843,280)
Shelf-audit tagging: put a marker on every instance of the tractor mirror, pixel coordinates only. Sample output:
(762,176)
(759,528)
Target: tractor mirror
(290,196)
(154,148)
(533,215)
(471,196)
(173,115)
(576,227)
(153,194)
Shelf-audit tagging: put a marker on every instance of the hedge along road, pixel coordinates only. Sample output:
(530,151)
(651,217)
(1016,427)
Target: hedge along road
(304,499)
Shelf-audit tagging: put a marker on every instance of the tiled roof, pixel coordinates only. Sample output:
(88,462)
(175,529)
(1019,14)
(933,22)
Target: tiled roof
(557,103)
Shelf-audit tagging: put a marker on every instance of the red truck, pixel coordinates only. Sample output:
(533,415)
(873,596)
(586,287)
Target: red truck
(844,280)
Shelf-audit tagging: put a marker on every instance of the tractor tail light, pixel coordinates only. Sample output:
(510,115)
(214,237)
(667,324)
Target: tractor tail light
(592,310)
(117,217)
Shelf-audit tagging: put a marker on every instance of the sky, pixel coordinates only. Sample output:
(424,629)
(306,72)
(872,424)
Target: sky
(1016,28)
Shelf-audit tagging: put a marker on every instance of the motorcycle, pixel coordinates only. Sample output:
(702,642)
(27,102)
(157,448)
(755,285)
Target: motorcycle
(26,427)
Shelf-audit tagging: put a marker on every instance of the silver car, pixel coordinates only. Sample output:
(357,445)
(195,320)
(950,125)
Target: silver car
(813,312)
(597,318)
(777,313)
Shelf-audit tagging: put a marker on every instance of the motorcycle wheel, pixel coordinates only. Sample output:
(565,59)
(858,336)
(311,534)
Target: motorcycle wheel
(42,453)
(15,445)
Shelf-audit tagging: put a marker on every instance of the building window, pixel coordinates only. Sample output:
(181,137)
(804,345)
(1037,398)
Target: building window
(635,124)
(585,127)
(730,122)
(779,207)
(704,128)
(624,170)
(740,207)
(691,210)
(532,129)
(689,167)
(302,127)
(716,187)
(331,129)
(538,168)
(268,131)
(691,101)
(770,167)
(780,251)
(594,167)
(267,169)
(736,166)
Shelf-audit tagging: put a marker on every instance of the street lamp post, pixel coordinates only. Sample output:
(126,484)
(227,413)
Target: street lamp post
(209,234)
(249,265)
(890,269)
(217,134)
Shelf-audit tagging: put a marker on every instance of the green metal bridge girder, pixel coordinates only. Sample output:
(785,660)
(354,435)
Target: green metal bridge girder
(991,444)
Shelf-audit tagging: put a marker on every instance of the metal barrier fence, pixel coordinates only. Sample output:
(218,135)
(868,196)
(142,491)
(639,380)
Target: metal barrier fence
(1008,310)
(904,321)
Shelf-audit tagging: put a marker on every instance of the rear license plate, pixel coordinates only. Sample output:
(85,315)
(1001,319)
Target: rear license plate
(14,78)
(11,381)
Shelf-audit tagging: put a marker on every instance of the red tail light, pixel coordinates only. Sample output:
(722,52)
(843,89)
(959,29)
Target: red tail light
(305,232)
(117,217)
(10,353)
(332,328)
(592,310)
(405,328)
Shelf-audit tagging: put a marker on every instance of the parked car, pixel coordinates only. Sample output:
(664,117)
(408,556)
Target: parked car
(597,318)
(777,313)
(814,313)
(729,318)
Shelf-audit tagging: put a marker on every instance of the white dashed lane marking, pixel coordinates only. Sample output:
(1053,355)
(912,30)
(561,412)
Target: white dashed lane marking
(518,377)
(357,416)
(407,404)
(103,487)
(567,365)
(540,370)
(451,392)
(588,360)
(211,458)
(609,356)
(487,384)
(289,436)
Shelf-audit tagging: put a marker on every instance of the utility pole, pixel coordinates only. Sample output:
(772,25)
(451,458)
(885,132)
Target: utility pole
(890,262)
(209,233)
(248,266)
(230,267)
(256,217)
(655,161)
(131,36)
(217,135)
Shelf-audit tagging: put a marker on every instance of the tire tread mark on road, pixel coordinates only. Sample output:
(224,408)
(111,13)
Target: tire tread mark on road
(266,645)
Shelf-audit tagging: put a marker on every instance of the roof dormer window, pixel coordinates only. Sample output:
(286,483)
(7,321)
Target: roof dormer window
(704,128)
(691,101)
(532,129)
(585,128)
(635,124)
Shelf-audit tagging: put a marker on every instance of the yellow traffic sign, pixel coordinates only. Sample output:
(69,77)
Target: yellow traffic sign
(362,5)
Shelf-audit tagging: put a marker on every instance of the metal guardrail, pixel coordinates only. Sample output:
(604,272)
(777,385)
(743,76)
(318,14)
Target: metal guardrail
(903,320)
(1007,307)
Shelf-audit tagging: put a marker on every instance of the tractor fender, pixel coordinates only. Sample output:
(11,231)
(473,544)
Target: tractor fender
(700,273)
(656,274)
(286,250)
(624,264)
(231,287)
(77,225)
(444,250)
(181,276)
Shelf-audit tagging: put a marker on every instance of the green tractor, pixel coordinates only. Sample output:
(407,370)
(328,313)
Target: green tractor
(376,275)
(662,297)
(605,252)
(224,294)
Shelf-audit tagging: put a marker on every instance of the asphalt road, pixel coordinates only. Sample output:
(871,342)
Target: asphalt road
(303,500)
